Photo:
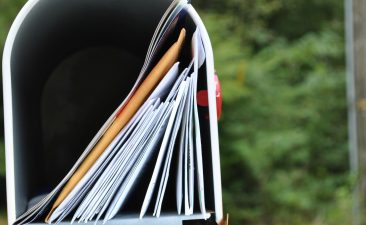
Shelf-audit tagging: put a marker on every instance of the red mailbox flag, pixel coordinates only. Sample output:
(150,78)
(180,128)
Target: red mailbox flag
(202,97)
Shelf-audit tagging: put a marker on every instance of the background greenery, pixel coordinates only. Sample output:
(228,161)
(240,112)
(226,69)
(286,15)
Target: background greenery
(283,133)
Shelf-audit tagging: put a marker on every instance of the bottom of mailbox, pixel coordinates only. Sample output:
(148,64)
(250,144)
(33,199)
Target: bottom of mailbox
(166,219)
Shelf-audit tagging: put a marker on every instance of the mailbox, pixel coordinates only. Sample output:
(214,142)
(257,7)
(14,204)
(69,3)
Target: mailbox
(67,65)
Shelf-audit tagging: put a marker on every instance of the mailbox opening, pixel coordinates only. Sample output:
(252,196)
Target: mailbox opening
(71,66)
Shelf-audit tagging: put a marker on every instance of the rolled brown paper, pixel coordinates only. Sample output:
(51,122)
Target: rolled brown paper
(131,107)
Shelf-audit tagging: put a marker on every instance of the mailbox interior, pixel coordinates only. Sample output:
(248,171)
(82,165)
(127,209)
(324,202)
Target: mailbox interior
(71,66)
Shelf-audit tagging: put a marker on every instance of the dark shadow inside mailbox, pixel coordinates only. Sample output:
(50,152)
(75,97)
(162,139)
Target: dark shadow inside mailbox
(72,64)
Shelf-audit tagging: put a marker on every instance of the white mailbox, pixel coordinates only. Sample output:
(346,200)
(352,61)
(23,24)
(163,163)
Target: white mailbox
(66,67)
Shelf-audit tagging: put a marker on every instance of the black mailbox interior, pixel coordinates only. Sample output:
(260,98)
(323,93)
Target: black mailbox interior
(72,64)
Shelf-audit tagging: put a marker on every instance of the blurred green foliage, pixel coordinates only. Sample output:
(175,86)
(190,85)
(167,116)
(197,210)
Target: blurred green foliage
(283,133)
